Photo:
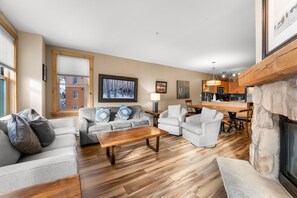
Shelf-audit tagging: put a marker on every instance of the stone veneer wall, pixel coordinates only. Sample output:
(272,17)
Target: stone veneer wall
(270,101)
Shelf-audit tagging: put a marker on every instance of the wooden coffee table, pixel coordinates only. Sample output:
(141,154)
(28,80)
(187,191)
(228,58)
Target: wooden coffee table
(110,140)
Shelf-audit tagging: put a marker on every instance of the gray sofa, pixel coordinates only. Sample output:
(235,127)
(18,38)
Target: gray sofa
(88,128)
(56,161)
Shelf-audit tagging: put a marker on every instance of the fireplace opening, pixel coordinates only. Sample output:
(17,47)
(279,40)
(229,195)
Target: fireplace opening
(288,154)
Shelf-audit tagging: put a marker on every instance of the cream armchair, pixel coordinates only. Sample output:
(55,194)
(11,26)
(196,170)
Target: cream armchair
(171,120)
(203,129)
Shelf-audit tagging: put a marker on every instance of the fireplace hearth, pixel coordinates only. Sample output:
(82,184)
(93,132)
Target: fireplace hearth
(288,154)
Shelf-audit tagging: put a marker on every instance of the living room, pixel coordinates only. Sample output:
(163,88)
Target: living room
(161,48)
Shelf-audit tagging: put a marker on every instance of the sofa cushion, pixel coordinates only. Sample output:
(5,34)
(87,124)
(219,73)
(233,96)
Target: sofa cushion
(102,115)
(207,114)
(21,136)
(174,111)
(136,109)
(169,121)
(124,113)
(47,154)
(121,124)
(8,154)
(28,114)
(61,141)
(100,127)
(43,130)
(65,130)
(139,122)
(193,127)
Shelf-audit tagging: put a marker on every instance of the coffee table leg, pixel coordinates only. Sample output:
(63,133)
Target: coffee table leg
(107,152)
(112,155)
(157,144)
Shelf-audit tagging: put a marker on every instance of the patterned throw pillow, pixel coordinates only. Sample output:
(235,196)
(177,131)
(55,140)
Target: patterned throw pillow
(102,115)
(124,113)
(21,136)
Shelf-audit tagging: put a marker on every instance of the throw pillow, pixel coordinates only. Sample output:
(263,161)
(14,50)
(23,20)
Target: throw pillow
(21,136)
(124,113)
(102,115)
(207,114)
(28,114)
(8,154)
(42,129)
(174,111)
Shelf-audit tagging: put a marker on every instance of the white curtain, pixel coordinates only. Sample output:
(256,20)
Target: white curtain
(6,49)
(74,66)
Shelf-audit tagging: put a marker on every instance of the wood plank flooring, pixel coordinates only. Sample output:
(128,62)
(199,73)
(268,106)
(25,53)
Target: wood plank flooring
(178,170)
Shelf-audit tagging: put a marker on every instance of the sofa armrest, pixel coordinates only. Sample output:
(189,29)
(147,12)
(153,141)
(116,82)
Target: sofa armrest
(21,175)
(194,118)
(61,122)
(164,114)
(83,125)
(182,116)
(211,125)
(147,116)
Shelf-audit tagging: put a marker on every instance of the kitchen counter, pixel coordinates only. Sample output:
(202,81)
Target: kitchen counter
(237,104)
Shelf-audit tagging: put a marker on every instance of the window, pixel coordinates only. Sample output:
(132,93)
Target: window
(75,95)
(73,73)
(74,80)
(7,70)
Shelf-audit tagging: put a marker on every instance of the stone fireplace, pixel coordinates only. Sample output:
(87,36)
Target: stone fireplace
(270,101)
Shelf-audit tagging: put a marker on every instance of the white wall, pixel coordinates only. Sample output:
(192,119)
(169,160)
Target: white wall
(31,88)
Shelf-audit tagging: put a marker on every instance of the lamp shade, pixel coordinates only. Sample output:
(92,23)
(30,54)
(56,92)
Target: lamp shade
(155,96)
(213,82)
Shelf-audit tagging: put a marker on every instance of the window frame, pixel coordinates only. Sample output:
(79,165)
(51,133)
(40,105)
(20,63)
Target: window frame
(75,94)
(11,94)
(56,111)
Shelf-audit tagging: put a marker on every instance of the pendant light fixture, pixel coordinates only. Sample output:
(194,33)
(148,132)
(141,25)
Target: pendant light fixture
(213,82)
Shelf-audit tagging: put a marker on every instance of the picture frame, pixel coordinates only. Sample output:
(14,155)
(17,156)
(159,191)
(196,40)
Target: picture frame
(44,72)
(279,24)
(161,87)
(117,88)
(182,89)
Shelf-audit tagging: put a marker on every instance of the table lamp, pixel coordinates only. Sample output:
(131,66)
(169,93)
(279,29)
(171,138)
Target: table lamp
(155,97)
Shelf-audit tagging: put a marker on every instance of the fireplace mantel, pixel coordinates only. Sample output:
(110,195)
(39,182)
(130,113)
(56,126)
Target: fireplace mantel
(278,66)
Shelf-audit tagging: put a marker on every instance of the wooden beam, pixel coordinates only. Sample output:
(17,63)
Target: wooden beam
(280,65)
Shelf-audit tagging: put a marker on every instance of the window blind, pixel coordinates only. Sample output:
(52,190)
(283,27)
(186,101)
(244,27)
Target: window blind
(74,66)
(6,49)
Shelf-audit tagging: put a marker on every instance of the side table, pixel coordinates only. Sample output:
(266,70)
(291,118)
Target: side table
(156,116)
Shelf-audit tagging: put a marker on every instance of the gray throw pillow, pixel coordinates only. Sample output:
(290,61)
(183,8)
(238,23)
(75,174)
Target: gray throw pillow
(43,130)
(28,114)
(21,136)
(8,154)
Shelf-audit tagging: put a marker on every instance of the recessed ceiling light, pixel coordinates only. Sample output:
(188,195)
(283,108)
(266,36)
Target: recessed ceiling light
(223,76)
(233,74)
(157,33)
(238,73)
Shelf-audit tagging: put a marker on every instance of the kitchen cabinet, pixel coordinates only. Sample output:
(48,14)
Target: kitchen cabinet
(234,88)
(229,87)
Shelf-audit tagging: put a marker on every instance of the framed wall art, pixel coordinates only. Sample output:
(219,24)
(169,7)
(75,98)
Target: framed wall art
(161,87)
(44,72)
(279,24)
(117,88)
(183,89)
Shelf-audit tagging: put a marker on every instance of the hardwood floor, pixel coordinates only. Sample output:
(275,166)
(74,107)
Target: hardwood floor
(178,170)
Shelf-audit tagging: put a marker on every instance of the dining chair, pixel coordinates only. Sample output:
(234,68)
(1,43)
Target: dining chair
(190,109)
(245,120)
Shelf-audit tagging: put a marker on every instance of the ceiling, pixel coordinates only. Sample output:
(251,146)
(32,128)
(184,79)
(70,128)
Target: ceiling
(189,34)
